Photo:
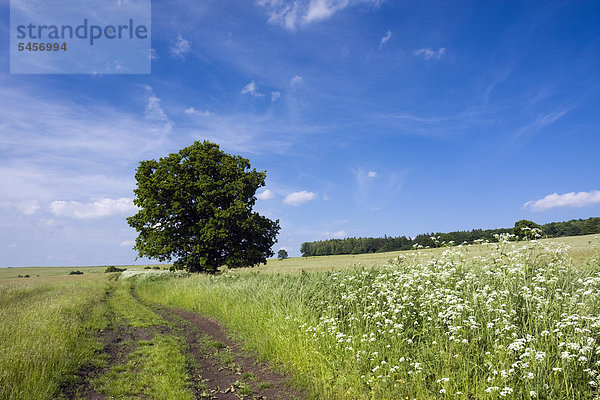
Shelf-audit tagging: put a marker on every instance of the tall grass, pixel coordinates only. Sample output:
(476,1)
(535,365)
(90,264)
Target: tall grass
(45,331)
(519,322)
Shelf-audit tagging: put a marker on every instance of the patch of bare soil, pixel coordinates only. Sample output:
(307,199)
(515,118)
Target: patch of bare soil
(227,371)
(218,367)
(118,342)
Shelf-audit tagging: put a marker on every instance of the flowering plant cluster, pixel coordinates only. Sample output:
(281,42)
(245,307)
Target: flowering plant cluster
(519,321)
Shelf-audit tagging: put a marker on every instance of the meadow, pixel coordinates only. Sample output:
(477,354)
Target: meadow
(514,320)
(47,333)
(507,320)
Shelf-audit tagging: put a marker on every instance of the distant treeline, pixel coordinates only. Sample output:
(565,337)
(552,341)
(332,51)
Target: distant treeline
(574,227)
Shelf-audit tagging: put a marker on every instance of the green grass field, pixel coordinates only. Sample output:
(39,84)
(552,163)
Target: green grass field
(44,272)
(581,249)
(47,331)
(516,321)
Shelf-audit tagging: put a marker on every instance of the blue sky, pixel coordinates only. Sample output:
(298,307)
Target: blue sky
(370,117)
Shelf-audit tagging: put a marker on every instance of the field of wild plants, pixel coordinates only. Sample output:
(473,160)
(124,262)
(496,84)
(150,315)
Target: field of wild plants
(517,320)
(507,320)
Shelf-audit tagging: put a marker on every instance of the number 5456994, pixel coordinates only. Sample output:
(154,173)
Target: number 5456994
(29,46)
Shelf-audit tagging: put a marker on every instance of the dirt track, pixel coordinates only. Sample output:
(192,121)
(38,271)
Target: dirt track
(218,367)
(221,374)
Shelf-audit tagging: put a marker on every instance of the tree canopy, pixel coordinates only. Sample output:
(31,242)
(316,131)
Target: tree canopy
(526,229)
(195,206)
(523,229)
(282,254)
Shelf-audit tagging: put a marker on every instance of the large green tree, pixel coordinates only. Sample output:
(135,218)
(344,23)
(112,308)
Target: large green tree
(195,207)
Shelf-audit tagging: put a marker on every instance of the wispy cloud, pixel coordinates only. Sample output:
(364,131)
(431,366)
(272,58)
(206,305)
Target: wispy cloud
(274,96)
(385,39)
(26,207)
(265,195)
(70,128)
(542,121)
(371,192)
(155,112)
(296,81)
(95,209)
(181,47)
(529,130)
(337,235)
(64,150)
(429,54)
(249,132)
(555,200)
(291,15)
(251,89)
(193,111)
(297,198)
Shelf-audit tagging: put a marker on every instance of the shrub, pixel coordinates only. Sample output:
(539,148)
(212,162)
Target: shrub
(112,268)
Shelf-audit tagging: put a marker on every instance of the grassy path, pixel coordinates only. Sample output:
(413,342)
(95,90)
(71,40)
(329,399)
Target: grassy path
(153,352)
(227,371)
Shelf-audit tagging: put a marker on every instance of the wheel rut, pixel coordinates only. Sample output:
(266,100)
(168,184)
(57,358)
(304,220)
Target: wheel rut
(221,367)
(218,367)
(229,371)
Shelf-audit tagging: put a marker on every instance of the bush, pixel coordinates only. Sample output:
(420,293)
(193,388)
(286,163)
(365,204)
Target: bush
(112,268)
(76,273)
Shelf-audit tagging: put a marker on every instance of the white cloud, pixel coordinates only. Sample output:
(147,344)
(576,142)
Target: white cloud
(385,39)
(265,195)
(193,111)
(554,200)
(428,53)
(296,81)
(290,15)
(181,47)
(96,209)
(274,96)
(155,112)
(65,129)
(251,89)
(372,174)
(297,198)
(127,243)
(338,234)
(27,207)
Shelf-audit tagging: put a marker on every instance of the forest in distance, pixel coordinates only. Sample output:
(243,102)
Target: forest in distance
(353,245)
